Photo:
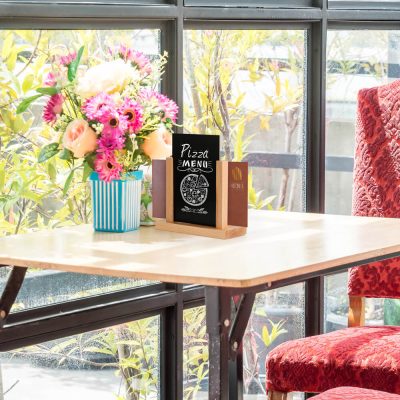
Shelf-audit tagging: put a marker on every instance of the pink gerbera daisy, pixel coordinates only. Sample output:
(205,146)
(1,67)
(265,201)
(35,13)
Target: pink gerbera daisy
(133,112)
(53,108)
(107,166)
(96,106)
(110,140)
(168,107)
(137,59)
(67,58)
(113,121)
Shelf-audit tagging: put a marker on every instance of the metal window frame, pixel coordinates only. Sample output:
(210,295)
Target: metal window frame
(172,17)
(250,3)
(365,5)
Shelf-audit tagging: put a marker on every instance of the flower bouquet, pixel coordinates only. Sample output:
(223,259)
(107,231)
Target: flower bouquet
(111,120)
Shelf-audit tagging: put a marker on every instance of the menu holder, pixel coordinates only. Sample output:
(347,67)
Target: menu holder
(225,183)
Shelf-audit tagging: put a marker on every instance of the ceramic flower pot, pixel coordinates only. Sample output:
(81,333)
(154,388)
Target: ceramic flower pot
(116,205)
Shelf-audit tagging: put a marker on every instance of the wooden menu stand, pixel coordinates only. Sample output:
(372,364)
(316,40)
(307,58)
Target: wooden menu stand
(222,230)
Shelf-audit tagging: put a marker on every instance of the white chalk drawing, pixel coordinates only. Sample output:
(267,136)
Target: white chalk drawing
(194,189)
(195,166)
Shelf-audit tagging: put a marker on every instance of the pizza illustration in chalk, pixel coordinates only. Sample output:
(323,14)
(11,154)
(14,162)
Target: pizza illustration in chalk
(194,189)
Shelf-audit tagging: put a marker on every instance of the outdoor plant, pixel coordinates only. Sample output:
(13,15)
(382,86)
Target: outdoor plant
(109,118)
(217,73)
(255,348)
(131,350)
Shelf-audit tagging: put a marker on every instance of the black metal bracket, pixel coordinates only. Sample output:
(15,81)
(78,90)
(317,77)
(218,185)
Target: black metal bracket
(226,324)
(239,322)
(10,292)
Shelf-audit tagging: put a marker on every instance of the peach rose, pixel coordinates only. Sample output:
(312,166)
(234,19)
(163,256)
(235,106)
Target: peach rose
(79,138)
(158,144)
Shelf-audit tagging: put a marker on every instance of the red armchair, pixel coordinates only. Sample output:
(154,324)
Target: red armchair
(367,357)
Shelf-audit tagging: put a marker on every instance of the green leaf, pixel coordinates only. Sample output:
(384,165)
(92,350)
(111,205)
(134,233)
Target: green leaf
(68,182)
(27,82)
(73,66)
(266,336)
(128,143)
(2,177)
(7,46)
(51,169)
(65,154)
(26,103)
(90,160)
(48,90)
(87,170)
(146,199)
(48,151)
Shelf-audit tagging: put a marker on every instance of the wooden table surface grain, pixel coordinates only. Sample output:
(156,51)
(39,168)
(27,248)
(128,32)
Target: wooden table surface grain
(278,246)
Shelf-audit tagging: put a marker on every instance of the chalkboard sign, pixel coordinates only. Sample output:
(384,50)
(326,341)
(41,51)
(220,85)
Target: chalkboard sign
(195,159)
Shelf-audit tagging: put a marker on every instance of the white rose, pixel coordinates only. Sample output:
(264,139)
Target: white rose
(109,77)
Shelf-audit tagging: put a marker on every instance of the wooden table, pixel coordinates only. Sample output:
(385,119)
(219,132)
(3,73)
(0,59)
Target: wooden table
(279,249)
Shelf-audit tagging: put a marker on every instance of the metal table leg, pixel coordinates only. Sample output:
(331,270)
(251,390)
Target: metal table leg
(10,292)
(218,308)
(226,324)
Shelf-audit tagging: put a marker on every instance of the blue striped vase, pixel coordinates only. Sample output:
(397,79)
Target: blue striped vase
(116,205)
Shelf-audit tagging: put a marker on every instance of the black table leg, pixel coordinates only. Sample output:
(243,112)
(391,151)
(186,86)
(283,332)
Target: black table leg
(10,292)
(218,308)
(226,325)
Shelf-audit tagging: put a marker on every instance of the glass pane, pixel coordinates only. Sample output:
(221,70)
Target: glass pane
(195,354)
(377,311)
(277,316)
(357,59)
(41,288)
(120,362)
(31,193)
(248,87)
(336,302)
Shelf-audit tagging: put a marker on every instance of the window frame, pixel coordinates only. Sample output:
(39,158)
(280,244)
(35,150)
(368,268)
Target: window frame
(173,17)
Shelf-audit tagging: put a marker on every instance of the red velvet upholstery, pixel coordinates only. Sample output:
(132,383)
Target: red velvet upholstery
(376,189)
(351,393)
(366,357)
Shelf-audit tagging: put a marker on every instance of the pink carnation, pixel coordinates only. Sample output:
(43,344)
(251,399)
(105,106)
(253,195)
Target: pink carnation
(98,106)
(133,113)
(110,140)
(167,106)
(107,166)
(137,59)
(53,109)
(67,59)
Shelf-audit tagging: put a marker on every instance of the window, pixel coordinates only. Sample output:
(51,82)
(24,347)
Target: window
(119,362)
(356,59)
(252,95)
(32,194)
(249,71)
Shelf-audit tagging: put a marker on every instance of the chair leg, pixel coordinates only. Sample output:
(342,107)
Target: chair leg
(273,395)
(356,311)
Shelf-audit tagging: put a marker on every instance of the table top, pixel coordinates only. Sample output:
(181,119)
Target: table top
(278,246)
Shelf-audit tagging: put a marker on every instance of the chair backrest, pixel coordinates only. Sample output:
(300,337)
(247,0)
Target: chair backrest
(376,186)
